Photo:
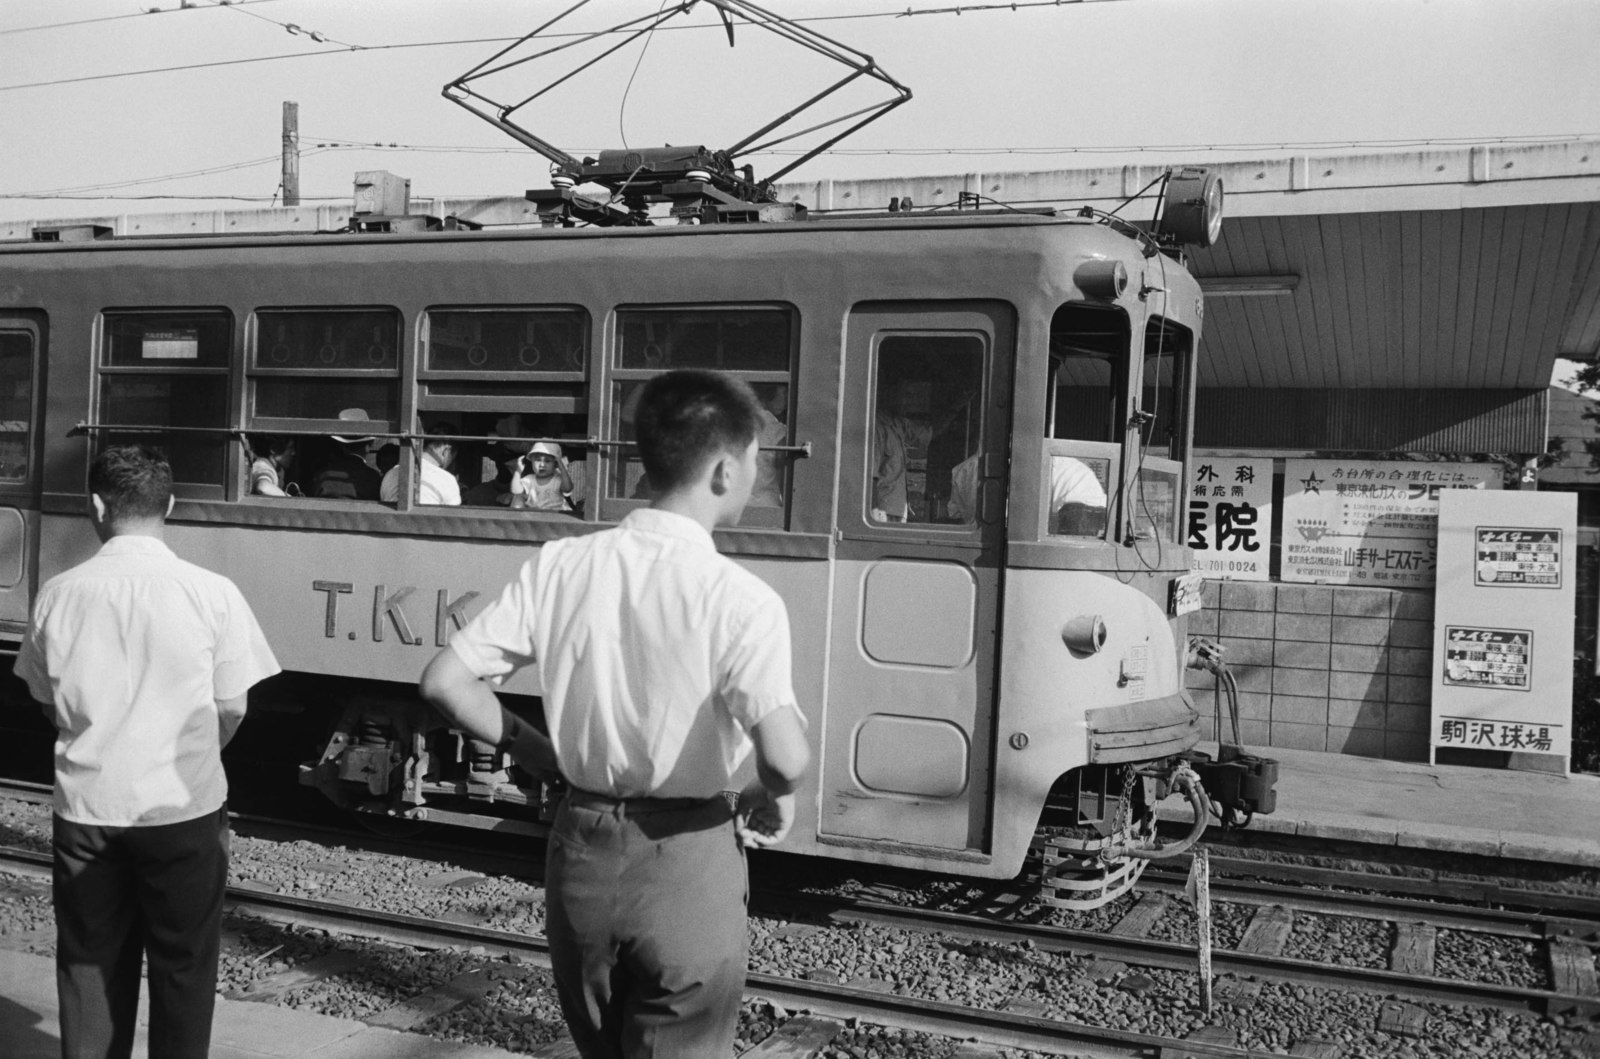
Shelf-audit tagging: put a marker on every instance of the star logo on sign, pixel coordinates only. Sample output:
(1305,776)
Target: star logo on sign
(1312,483)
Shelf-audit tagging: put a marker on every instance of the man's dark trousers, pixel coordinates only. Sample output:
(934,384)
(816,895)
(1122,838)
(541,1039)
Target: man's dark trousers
(647,926)
(124,892)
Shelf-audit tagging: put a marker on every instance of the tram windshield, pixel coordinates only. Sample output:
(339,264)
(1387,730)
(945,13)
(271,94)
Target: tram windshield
(1087,405)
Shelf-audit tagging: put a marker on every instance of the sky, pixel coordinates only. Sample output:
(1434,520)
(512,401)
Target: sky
(187,101)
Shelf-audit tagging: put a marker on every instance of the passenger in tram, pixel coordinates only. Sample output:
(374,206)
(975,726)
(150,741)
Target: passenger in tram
(774,431)
(269,471)
(543,480)
(143,661)
(900,438)
(347,475)
(435,484)
(645,881)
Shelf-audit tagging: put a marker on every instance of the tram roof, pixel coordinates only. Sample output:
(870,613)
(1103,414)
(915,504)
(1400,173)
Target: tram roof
(1466,268)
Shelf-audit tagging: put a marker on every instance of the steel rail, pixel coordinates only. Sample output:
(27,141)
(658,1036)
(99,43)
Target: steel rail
(1148,952)
(1000,1028)
(1464,890)
(1504,923)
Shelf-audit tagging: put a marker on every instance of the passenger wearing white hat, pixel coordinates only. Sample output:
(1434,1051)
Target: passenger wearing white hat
(543,481)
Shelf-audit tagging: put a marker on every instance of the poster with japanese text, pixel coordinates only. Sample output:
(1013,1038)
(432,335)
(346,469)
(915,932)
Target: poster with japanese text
(1230,517)
(1366,522)
(1503,610)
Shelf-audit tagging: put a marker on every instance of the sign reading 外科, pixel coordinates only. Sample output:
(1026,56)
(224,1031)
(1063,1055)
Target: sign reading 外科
(1230,517)
(1365,522)
(1503,622)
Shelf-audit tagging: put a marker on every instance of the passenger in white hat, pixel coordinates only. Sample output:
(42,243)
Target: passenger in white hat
(543,481)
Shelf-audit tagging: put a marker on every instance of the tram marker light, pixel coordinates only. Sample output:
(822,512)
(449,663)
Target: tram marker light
(1102,278)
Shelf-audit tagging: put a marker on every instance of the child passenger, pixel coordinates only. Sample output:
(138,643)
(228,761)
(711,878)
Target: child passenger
(543,480)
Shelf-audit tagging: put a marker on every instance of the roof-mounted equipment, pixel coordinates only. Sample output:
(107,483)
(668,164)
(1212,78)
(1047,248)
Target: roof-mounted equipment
(702,185)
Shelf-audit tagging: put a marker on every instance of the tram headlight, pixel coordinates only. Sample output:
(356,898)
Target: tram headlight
(1192,213)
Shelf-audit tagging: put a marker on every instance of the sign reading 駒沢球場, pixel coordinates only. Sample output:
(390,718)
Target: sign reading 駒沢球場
(1503,617)
(1366,522)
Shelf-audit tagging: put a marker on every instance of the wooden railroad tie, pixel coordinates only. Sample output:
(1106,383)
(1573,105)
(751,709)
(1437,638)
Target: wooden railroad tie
(1413,950)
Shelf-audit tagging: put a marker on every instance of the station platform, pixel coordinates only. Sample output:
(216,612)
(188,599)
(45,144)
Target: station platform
(29,1027)
(1501,813)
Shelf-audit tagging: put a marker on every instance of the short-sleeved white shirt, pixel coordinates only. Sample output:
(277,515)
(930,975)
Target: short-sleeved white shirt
(656,655)
(435,485)
(135,648)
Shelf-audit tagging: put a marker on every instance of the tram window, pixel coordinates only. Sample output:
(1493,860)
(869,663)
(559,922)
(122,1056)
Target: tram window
(733,340)
(1166,365)
(328,369)
(1088,359)
(1078,488)
(16,404)
(753,344)
(169,369)
(512,380)
(927,431)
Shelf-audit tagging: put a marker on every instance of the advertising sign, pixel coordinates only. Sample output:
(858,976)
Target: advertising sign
(1230,517)
(1503,622)
(1365,522)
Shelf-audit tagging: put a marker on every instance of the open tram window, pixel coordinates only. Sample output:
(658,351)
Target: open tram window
(755,344)
(1087,406)
(334,371)
(170,369)
(514,383)
(16,405)
(927,431)
(1163,430)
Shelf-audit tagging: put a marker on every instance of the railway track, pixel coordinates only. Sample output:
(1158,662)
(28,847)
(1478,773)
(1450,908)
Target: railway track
(1566,938)
(827,1007)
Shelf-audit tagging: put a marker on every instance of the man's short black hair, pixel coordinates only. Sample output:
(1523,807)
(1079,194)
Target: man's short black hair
(438,436)
(686,417)
(134,482)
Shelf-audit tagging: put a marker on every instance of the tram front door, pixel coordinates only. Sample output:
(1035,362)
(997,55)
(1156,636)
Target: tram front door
(908,745)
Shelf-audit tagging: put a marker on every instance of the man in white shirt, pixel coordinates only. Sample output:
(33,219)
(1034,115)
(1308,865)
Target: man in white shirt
(661,663)
(143,661)
(435,484)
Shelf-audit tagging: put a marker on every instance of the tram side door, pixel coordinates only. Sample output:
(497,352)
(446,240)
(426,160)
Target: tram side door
(921,530)
(22,339)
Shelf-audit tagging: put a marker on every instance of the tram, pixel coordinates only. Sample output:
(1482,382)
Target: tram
(972,501)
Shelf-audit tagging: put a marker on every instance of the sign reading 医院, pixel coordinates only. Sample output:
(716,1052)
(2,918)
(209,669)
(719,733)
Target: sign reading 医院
(1230,517)
(1365,522)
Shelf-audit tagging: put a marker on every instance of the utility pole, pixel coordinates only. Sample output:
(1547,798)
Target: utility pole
(291,154)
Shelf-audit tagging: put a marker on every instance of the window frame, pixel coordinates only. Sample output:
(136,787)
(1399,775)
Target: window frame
(224,431)
(263,424)
(613,448)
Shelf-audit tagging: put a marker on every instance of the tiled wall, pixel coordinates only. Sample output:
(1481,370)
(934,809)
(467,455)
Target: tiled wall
(1345,670)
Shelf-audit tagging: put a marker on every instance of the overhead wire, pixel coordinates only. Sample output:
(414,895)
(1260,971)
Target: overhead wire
(184,5)
(905,13)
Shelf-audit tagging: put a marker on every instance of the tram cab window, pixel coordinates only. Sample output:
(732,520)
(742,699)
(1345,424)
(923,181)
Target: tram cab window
(334,371)
(755,344)
(1163,432)
(170,369)
(514,383)
(927,429)
(1089,347)
(16,405)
